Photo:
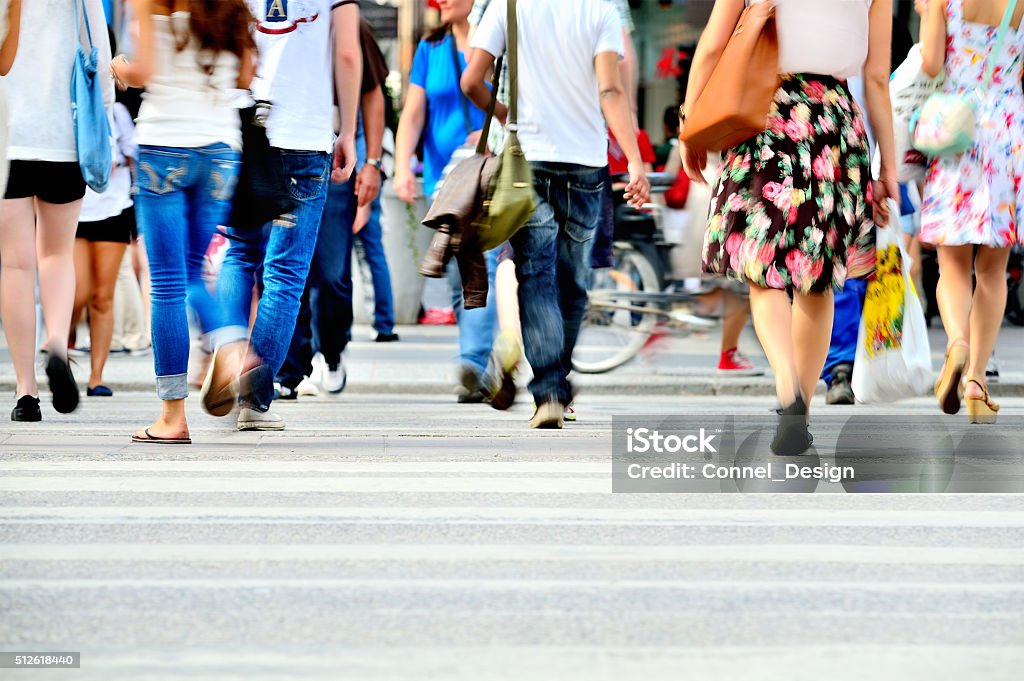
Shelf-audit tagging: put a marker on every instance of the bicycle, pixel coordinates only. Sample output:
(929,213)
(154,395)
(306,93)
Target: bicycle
(627,301)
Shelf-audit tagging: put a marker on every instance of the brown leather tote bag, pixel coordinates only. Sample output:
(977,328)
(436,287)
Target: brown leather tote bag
(735,103)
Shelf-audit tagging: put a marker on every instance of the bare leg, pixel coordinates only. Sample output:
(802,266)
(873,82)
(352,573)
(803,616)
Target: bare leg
(506,289)
(17,282)
(989,305)
(140,263)
(736,312)
(773,315)
(106,261)
(955,291)
(83,281)
(55,244)
(812,332)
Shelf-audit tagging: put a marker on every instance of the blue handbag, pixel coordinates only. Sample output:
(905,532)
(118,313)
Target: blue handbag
(88,112)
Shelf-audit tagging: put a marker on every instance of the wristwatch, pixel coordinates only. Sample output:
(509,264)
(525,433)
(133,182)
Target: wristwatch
(375,163)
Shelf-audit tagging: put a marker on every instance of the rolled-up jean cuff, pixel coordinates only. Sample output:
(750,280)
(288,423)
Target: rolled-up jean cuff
(228,334)
(172,387)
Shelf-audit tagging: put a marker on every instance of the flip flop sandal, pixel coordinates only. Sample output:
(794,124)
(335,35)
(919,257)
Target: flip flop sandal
(154,440)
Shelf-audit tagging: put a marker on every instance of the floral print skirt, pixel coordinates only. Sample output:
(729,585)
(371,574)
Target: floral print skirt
(792,207)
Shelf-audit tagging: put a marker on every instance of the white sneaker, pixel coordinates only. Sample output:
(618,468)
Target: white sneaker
(251,419)
(307,388)
(333,381)
(316,376)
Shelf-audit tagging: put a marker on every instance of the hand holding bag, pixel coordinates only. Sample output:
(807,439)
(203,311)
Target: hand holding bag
(734,105)
(947,124)
(93,137)
(486,198)
(893,359)
(263,192)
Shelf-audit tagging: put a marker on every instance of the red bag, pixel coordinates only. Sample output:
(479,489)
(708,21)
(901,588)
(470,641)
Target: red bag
(677,194)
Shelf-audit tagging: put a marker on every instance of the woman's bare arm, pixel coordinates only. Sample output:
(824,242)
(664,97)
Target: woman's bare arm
(10,46)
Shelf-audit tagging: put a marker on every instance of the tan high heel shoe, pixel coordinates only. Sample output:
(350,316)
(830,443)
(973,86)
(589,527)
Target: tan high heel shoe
(948,388)
(981,409)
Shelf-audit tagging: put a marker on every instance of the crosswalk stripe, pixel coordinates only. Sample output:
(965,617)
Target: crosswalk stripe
(774,553)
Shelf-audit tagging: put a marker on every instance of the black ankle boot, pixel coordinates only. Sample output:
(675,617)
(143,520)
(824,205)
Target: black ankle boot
(792,437)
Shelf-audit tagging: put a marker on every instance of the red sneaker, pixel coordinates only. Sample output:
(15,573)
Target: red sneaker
(438,317)
(735,363)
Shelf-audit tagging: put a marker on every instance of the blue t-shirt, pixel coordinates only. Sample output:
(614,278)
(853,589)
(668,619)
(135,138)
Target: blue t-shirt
(433,69)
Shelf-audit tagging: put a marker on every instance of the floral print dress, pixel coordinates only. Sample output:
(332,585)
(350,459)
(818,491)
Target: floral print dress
(978,197)
(791,209)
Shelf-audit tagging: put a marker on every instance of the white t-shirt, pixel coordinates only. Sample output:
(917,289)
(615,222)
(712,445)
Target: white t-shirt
(560,117)
(295,73)
(118,196)
(39,85)
(184,106)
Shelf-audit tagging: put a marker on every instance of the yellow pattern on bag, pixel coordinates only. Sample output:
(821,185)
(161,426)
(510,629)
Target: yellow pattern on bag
(884,303)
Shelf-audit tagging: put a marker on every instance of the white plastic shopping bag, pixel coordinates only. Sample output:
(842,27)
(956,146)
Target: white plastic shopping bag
(909,87)
(893,359)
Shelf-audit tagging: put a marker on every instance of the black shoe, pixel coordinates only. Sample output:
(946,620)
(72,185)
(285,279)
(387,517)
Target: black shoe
(792,437)
(840,392)
(99,391)
(62,384)
(386,337)
(27,409)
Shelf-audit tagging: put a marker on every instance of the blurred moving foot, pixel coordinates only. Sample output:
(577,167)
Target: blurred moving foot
(992,370)
(220,388)
(841,392)
(549,416)
(307,388)
(505,359)
(470,389)
(386,337)
(62,384)
(735,363)
(27,409)
(283,392)
(333,379)
(99,391)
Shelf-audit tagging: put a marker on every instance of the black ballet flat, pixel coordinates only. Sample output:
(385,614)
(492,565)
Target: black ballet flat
(792,437)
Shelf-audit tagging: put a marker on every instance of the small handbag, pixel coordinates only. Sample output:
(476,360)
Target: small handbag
(263,192)
(500,198)
(93,137)
(734,105)
(947,124)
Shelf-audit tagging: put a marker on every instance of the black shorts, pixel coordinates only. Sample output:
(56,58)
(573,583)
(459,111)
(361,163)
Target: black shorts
(117,229)
(50,181)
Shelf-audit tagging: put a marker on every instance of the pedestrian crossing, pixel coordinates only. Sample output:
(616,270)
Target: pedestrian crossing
(452,558)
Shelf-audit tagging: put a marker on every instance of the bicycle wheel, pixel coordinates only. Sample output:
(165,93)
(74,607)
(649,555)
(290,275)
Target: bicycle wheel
(616,324)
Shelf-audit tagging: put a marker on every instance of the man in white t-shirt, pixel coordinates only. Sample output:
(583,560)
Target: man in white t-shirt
(569,85)
(307,48)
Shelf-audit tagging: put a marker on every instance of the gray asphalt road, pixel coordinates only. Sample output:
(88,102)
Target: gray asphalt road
(405,537)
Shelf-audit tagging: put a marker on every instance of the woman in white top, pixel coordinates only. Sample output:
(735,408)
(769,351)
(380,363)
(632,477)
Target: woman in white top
(39,214)
(974,202)
(791,209)
(191,54)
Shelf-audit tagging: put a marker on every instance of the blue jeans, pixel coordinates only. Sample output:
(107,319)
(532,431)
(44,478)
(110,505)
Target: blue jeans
(371,236)
(849,304)
(324,323)
(476,326)
(552,256)
(184,194)
(284,249)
